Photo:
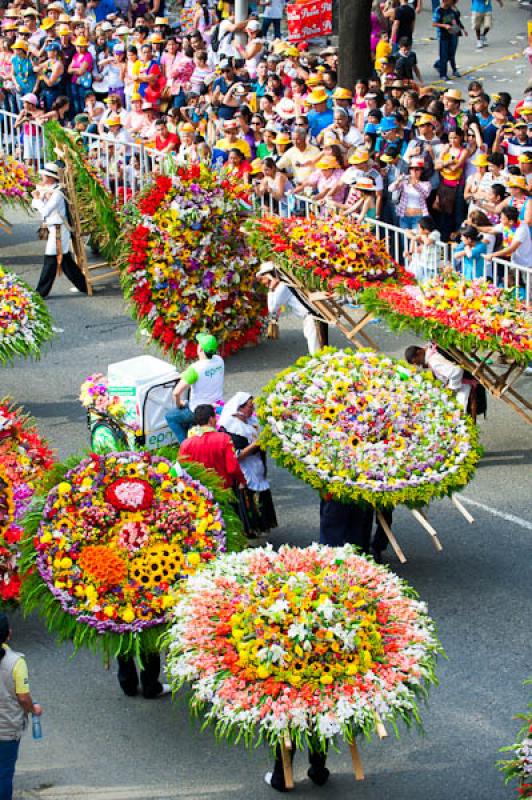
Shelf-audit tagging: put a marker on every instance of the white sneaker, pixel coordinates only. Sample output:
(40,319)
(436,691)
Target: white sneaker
(528,371)
(165,690)
(73,290)
(55,329)
(268,778)
(479,44)
(484,40)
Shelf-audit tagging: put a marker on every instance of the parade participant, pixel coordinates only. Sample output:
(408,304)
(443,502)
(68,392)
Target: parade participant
(15,705)
(279,295)
(451,375)
(128,677)
(214,449)
(205,381)
(345,523)
(239,421)
(50,202)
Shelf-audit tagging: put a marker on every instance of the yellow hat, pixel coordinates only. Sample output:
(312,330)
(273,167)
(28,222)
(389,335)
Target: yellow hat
(517,182)
(365,183)
(525,158)
(282,138)
(425,119)
(63,30)
(20,44)
(47,23)
(30,12)
(156,38)
(342,94)
(81,41)
(135,97)
(321,68)
(11,26)
(187,127)
(65,18)
(318,95)
(453,94)
(257,166)
(327,162)
(481,160)
(359,157)
(291,51)
(11,13)
(112,122)
(314,80)
(525,111)
(161,21)
(24,29)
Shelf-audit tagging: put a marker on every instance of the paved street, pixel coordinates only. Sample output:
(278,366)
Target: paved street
(99,744)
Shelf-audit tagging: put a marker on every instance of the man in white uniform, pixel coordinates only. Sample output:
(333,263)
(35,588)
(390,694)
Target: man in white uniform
(279,295)
(49,201)
(451,375)
(204,379)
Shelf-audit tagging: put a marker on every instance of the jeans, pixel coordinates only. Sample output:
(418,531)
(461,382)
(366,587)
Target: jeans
(79,93)
(448,46)
(179,421)
(409,223)
(8,759)
(267,22)
(179,99)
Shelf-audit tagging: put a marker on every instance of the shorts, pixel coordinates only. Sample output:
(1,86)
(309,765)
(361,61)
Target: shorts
(481,20)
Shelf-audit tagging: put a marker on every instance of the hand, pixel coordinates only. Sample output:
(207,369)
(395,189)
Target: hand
(37,709)
(488,256)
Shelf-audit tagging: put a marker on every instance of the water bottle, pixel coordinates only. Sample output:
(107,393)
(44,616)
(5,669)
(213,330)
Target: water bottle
(36,728)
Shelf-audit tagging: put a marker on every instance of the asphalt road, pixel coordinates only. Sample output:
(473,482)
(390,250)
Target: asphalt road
(99,744)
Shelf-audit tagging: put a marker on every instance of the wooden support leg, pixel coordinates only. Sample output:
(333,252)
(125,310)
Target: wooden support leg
(382,733)
(287,763)
(391,538)
(423,521)
(358,769)
(461,508)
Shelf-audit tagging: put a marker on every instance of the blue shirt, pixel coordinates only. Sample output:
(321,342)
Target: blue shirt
(318,120)
(104,8)
(481,6)
(473,265)
(23,73)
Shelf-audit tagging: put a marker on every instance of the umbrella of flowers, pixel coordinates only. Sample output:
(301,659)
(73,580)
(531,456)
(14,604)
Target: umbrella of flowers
(109,546)
(519,768)
(458,313)
(24,457)
(332,254)
(25,322)
(362,427)
(301,646)
(16,184)
(188,266)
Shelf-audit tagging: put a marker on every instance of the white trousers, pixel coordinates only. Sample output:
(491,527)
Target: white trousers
(310,330)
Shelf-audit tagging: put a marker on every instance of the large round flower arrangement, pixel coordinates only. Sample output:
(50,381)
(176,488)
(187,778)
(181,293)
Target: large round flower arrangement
(16,183)
(24,457)
(189,267)
(311,643)
(112,541)
(327,254)
(363,427)
(25,322)
(519,767)
(455,312)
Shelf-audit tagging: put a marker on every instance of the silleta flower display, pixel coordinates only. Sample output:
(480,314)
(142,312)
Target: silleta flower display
(333,254)
(25,322)
(189,268)
(16,183)
(364,427)
(114,538)
(313,644)
(455,312)
(519,767)
(24,457)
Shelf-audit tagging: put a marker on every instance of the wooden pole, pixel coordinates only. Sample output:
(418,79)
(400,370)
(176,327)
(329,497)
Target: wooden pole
(286,757)
(463,511)
(382,733)
(391,538)
(423,521)
(358,768)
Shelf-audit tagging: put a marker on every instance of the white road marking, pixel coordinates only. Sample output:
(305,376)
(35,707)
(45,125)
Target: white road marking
(523,523)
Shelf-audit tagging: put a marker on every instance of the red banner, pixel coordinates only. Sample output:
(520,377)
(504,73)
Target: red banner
(308,20)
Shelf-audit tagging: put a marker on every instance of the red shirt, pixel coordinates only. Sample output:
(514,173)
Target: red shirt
(215,450)
(170,143)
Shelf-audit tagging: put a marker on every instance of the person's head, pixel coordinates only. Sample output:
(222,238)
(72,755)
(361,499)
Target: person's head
(204,414)
(521,130)
(132,53)
(456,137)
(61,105)
(415,169)
(510,216)
(5,633)
(267,275)
(81,43)
(299,137)
(478,218)
(247,408)
(49,174)
(207,345)
(414,354)
(427,224)
(114,102)
(146,52)
(500,112)
(452,100)
(517,186)
(480,103)
(235,158)
(470,235)
(495,163)
(525,163)
(269,167)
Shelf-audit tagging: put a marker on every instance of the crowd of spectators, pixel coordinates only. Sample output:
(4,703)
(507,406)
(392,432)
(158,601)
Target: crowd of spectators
(440,164)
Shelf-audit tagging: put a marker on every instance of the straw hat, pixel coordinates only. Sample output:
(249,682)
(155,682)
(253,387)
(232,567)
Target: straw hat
(480,160)
(65,18)
(257,166)
(50,169)
(20,44)
(282,138)
(318,95)
(47,23)
(81,41)
(366,184)
(314,80)
(454,94)
(342,94)
(285,108)
(23,29)
(161,21)
(30,12)
(156,38)
(425,119)
(63,30)
(266,268)
(359,157)
(518,182)
(327,162)
(122,30)
(187,127)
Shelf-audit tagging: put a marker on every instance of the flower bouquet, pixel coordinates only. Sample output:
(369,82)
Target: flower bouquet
(331,255)
(519,768)
(362,427)
(25,322)
(308,644)
(110,544)
(16,184)
(188,266)
(24,457)
(457,313)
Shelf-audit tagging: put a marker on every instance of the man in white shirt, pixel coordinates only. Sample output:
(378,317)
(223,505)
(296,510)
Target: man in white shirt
(451,375)
(204,379)
(516,240)
(280,295)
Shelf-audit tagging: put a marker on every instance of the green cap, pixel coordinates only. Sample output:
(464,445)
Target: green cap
(207,342)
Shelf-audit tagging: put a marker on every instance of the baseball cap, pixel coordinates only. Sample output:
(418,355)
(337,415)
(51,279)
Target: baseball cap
(207,342)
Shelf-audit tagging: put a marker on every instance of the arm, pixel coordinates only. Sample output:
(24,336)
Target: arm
(28,705)
(232,466)
(505,252)
(179,391)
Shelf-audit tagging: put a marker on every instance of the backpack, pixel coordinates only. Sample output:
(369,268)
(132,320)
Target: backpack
(215,40)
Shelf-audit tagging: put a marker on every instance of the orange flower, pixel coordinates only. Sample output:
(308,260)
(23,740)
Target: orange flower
(102,564)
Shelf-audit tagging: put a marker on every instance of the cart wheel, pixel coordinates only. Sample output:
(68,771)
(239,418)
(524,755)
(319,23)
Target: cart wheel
(105,438)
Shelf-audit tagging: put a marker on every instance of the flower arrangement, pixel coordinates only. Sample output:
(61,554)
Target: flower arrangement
(25,322)
(519,768)
(312,643)
(331,254)
(16,183)
(94,395)
(188,266)
(24,457)
(364,427)
(111,542)
(459,313)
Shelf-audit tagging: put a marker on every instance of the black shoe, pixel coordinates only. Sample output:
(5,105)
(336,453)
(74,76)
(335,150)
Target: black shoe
(319,776)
